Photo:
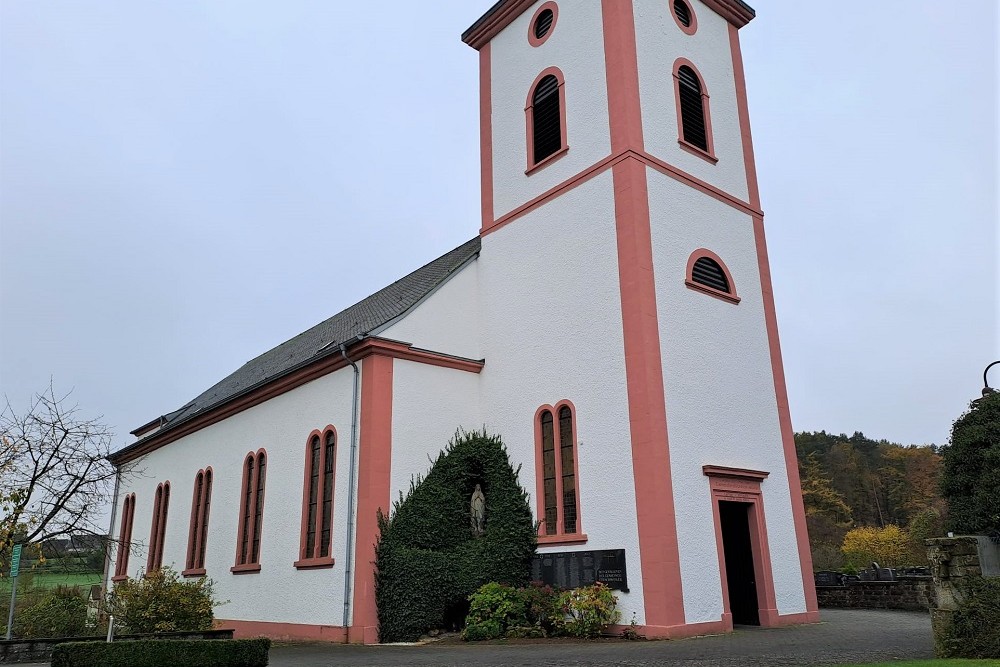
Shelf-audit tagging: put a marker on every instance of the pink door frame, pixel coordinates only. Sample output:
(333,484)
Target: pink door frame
(743,486)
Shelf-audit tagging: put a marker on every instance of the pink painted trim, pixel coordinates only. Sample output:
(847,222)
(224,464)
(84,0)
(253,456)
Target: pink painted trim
(154,529)
(731,296)
(700,185)
(124,538)
(538,41)
(283,631)
(400,350)
(545,161)
(697,152)
(774,346)
(686,29)
(735,473)
(567,185)
(560,536)
(314,563)
(489,27)
(622,76)
(198,527)
(315,559)
(707,628)
(157,532)
(708,155)
(802,618)
(529,120)
(501,18)
(743,486)
(311,372)
(193,522)
(655,515)
(250,565)
(486,135)
(658,550)
(563,539)
(610,161)
(246,568)
(374,464)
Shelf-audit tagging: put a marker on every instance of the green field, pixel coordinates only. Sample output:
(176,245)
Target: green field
(42,580)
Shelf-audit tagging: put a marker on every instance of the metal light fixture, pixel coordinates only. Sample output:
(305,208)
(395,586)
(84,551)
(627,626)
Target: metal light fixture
(987,390)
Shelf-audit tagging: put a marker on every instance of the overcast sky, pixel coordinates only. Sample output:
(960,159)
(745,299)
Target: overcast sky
(184,185)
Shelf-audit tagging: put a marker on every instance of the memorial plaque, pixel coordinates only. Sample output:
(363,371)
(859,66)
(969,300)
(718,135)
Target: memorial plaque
(572,569)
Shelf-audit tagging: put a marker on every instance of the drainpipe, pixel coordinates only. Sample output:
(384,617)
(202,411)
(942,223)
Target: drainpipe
(351,491)
(111,528)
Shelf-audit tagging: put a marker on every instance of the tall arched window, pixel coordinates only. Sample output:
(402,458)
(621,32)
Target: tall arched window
(124,538)
(557,470)
(546,118)
(198,534)
(317,500)
(251,513)
(694,120)
(159,528)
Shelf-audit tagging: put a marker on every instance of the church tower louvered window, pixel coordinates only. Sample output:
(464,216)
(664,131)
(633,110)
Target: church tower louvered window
(692,108)
(707,272)
(546,119)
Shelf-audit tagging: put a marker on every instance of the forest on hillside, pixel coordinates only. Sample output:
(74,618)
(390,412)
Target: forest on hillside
(853,482)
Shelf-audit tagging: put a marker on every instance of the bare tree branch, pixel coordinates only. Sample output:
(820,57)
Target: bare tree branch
(54,470)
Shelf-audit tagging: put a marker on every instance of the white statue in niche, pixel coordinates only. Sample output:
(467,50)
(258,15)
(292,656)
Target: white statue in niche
(477,513)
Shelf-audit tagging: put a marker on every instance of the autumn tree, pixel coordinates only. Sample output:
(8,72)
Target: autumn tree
(827,515)
(971,478)
(889,547)
(56,476)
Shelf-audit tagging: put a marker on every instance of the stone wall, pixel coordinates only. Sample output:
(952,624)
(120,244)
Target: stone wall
(40,650)
(954,560)
(907,593)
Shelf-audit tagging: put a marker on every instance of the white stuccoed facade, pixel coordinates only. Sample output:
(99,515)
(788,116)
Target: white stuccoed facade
(576,292)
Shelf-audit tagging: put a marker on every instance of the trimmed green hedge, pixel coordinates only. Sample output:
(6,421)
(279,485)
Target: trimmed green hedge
(163,653)
(427,560)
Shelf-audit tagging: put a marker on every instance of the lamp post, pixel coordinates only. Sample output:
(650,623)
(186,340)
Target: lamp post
(987,390)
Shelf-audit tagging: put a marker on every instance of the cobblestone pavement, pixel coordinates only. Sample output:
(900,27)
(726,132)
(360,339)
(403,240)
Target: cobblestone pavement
(843,636)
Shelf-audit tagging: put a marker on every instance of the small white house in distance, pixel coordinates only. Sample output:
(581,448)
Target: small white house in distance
(613,321)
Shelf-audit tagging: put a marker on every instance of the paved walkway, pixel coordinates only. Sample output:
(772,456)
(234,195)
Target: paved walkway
(843,636)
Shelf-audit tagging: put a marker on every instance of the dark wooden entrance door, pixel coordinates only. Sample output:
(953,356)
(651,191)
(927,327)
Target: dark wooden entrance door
(740,575)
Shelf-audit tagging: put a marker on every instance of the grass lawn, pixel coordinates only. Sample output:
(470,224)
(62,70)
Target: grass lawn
(51,580)
(933,663)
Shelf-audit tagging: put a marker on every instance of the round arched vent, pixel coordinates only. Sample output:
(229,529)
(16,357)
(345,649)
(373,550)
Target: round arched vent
(543,23)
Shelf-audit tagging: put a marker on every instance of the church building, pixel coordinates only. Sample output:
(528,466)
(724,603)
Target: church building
(613,321)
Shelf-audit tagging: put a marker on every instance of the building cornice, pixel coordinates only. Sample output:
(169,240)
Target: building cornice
(317,368)
(504,12)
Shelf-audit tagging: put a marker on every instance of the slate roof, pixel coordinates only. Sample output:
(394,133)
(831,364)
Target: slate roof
(348,325)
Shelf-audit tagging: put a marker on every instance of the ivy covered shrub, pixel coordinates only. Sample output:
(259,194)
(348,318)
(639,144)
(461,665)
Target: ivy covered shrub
(60,612)
(588,610)
(162,602)
(429,561)
(970,480)
(974,631)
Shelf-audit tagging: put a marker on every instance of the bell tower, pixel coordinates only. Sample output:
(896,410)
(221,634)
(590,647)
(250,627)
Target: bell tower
(624,267)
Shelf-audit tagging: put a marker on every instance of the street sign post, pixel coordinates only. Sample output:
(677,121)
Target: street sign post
(15,569)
